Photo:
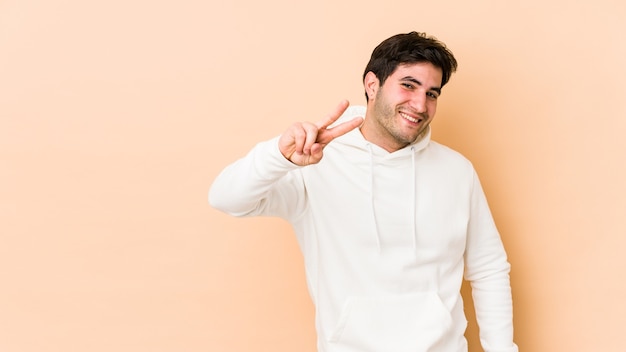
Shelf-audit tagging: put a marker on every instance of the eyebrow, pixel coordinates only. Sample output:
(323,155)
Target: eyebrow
(415,81)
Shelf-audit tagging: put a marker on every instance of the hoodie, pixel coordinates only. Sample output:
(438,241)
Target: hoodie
(387,239)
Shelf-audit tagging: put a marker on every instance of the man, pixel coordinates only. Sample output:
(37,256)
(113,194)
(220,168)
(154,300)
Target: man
(388,220)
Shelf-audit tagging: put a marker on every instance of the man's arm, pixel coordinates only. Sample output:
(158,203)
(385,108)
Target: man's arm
(487,270)
(261,182)
(258,184)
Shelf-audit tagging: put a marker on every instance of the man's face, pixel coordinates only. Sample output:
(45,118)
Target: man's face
(399,111)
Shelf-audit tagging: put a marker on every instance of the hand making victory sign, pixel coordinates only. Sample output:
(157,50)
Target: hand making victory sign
(303,143)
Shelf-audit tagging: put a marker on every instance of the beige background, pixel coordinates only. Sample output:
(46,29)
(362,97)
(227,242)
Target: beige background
(115,116)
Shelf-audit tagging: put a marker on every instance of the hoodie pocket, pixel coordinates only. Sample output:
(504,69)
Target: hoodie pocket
(415,322)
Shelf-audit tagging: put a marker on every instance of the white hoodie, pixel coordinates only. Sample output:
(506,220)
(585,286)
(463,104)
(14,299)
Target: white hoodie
(387,239)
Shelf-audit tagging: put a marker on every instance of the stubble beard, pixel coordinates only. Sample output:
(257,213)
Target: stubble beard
(387,117)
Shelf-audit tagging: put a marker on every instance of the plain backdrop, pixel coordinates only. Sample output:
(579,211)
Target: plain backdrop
(115,117)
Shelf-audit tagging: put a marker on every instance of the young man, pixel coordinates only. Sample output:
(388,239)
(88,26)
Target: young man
(389,221)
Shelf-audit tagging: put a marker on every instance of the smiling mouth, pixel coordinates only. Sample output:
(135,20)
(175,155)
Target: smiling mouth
(411,118)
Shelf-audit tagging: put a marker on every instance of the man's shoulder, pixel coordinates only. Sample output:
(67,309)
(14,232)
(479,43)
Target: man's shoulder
(442,148)
(447,154)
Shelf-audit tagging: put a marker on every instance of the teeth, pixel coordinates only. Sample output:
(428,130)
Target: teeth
(409,118)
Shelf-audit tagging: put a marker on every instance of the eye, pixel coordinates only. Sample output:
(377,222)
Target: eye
(432,95)
(407,85)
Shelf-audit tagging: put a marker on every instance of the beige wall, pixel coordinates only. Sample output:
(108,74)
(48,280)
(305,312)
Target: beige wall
(115,116)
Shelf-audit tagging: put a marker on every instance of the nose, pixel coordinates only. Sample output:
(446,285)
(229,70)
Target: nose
(418,102)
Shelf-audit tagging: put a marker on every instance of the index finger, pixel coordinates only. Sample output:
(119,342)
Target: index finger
(334,115)
(331,133)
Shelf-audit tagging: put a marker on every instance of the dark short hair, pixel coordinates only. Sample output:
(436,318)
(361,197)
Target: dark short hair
(410,48)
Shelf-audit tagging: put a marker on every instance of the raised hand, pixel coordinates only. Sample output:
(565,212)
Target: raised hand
(303,143)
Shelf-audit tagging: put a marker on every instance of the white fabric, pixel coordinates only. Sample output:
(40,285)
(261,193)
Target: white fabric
(386,238)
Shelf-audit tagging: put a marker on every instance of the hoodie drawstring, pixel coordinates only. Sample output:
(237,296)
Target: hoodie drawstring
(413,200)
(414,211)
(376,233)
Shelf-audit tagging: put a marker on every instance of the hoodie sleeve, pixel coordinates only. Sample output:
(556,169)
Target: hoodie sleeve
(263,183)
(487,270)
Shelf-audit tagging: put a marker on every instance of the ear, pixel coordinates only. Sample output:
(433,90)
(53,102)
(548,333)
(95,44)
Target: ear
(370,82)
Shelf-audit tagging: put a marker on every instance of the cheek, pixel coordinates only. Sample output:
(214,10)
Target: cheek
(432,108)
